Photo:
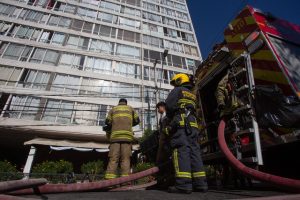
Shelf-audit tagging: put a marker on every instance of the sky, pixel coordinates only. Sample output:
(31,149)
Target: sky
(210,17)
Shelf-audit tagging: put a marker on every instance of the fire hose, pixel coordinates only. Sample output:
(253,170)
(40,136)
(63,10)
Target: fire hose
(8,186)
(282,182)
(80,187)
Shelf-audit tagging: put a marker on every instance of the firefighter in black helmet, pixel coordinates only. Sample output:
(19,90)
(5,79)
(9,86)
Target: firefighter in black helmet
(183,131)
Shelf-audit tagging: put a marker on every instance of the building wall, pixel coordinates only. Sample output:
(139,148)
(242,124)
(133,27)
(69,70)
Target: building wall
(69,61)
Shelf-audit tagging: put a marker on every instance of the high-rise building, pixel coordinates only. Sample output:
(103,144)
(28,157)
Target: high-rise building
(65,63)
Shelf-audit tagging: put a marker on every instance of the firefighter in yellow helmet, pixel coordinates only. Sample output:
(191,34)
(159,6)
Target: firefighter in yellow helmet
(183,132)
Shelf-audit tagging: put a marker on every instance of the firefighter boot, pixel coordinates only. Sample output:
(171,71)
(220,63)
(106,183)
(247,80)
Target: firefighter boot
(174,189)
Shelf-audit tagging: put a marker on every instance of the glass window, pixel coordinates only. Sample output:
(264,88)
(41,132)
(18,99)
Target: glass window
(10,74)
(26,53)
(58,38)
(77,25)
(51,57)
(4,27)
(90,114)
(65,84)
(38,55)
(128,51)
(87,27)
(110,6)
(102,46)
(24,107)
(129,23)
(98,65)
(13,51)
(128,70)
(105,17)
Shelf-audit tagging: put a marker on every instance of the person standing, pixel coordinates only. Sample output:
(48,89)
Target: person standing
(121,119)
(183,131)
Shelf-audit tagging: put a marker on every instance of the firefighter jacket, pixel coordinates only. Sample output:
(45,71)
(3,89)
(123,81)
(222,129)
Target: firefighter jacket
(180,104)
(226,99)
(122,118)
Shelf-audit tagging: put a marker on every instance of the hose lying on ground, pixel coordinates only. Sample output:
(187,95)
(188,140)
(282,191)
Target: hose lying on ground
(80,187)
(281,182)
(8,186)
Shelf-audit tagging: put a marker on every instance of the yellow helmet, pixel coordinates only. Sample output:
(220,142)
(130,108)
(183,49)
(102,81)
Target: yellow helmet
(179,79)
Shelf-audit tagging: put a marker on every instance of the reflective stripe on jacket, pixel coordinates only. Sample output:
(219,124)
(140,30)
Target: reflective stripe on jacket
(122,118)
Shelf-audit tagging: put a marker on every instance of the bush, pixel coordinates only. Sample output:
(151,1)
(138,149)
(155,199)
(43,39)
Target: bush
(93,168)
(142,167)
(54,171)
(147,133)
(8,171)
(53,167)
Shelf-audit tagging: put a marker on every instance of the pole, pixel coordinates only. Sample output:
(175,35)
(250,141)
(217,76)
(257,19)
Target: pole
(155,91)
(149,114)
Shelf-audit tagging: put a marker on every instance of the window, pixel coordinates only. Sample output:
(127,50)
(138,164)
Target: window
(150,6)
(153,41)
(59,21)
(98,65)
(67,8)
(110,6)
(152,17)
(169,21)
(4,27)
(95,86)
(132,2)
(34,79)
(128,70)
(9,75)
(87,27)
(58,38)
(77,42)
(90,114)
(129,36)
(152,28)
(72,60)
(130,11)
(102,46)
(26,53)
(184,25)
(109,18)
(85,12)
(129,23)
(76,25)
(58,111)
(105,31)
(49,57)
(173,46)
(24,107)
(6,9)
(128,51)
(34,16)
(65,83)
(13,51)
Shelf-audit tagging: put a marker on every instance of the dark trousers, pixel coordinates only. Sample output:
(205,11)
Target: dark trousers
(187,161)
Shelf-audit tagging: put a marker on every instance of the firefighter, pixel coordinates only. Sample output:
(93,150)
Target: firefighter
(183,131)
(226,99)
(120,118)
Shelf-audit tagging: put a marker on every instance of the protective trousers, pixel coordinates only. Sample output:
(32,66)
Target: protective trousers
(118,151)
(189,170)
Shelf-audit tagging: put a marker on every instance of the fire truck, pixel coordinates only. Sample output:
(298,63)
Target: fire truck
(260,56)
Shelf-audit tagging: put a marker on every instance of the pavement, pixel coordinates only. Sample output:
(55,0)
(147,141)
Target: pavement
(162,195)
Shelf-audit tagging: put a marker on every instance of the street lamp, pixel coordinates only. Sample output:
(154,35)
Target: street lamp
(165,54)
